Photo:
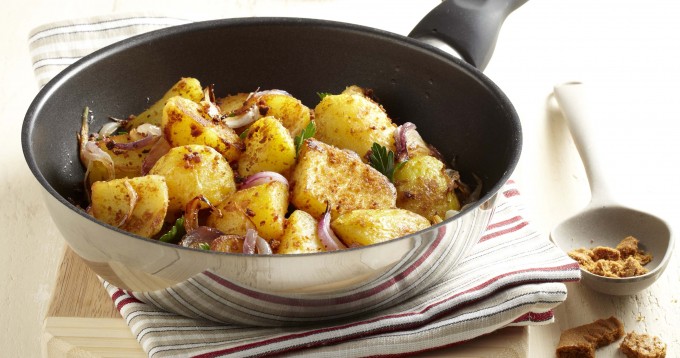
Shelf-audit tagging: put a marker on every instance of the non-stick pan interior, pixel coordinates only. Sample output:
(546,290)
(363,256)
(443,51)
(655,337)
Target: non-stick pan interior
(456,108)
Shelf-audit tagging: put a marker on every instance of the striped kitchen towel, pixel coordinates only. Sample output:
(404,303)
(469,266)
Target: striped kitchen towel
(513,275)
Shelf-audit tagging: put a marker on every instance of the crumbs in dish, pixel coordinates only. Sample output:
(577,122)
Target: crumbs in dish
(625,260)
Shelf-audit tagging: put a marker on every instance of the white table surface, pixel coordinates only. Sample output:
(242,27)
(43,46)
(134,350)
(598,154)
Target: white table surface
(628,50)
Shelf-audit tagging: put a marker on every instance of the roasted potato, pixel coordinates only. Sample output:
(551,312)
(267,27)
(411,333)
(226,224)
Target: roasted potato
(367,226)
(193,170)
(327,175)
(227,243)
(262,207)
(294,115)
(186,122)
(189,88)
(137,205)
(269,147)
(424,187)
(300,235)
(353,121)
(127,162)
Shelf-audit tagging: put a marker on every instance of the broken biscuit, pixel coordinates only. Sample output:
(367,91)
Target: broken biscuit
(582,341)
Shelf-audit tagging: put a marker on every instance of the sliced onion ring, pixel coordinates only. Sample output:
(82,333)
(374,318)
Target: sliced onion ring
(202,234)
(141,143)
(400,141)
(263,178)
(149,129)
(109,128)
(326,234)
(250,111)
(253,241)
(191,212)
(156,152)
(250,242)
(133,202)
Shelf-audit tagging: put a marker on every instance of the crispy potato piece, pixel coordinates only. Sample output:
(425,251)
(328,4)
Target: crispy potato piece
(424,187)
(366,226)
(137,205)
(269,147)
(326,174)
(294,115)
(186,122)
(228,243)
(262,207)
(300,235)
(231,103)
(127,162)
(194,170)
(353,121)
(189,88)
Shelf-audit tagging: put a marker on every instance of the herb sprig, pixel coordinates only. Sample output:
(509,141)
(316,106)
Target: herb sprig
(308,132)
(382,160)
(175,233)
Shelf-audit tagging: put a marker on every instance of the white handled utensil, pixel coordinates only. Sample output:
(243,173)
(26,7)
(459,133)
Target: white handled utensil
(603,222)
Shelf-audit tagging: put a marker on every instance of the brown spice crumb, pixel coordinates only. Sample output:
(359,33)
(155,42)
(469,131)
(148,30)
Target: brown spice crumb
(643,345)
(581,341)
(626,260)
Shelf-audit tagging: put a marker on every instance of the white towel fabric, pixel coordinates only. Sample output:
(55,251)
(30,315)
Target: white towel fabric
(513,276)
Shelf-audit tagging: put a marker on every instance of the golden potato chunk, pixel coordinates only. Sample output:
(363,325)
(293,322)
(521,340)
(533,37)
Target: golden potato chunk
(294,115)
(353,121)
(300,235)
(186,122)
(262,207)
(189,88)
(326,174)
(137,205)
(366,226)
(269,147)
(424,187)
(127,162)
(194,170)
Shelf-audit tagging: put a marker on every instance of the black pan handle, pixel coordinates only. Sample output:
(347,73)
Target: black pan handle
(469,27)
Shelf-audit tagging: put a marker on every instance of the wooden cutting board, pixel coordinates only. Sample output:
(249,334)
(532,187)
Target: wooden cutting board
(82,322)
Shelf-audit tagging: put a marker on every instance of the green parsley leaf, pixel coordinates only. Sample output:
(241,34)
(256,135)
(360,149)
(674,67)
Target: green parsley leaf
(175,233)
(308,132)
(244,134)
(383,160)
(204,246)
(322,94)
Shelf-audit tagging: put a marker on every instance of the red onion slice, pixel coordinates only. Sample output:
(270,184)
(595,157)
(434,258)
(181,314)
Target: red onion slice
(149,129)
(250,111)
(191,212)
(243,118)
(326,234)
(400,141)
(202,234)
(250,242)
(109,128)
(263,247)
(133,202)
(141,143)
(263,178)
(253,241)
(156,152)
(91,153)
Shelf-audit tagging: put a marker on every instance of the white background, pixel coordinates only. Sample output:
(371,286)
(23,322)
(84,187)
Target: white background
(629,51)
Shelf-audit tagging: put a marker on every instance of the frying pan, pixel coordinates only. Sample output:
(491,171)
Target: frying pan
(455,107)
